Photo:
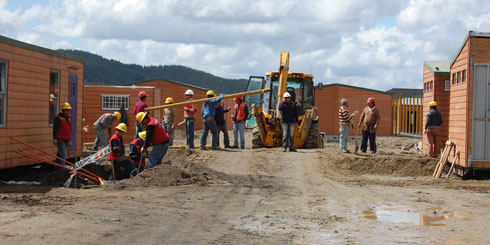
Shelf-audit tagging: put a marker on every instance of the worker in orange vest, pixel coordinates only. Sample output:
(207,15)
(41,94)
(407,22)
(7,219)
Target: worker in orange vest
(117,155)
(62,131)
(155,136)
(240,114)
(190,118)
(137,154)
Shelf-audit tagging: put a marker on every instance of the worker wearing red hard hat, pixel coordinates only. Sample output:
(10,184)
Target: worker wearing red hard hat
(369,121)
(140,107)
(240,114)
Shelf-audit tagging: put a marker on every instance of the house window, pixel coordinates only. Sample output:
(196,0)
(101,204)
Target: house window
(454,78)
(447,85)
(425,87)
(114,102)
(54,95)
(459,77)
(431,85)
(463,79)
(3,93)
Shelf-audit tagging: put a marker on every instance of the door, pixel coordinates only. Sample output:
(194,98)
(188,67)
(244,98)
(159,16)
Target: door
(481,105)
(72,98)
(254,83)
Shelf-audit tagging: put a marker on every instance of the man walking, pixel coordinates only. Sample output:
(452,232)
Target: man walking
(432,123)
(369,120)
(240,114)
(345,121)
(219,118)
(155,136)
(289,116)
(190,119)
(208,113)
(104,122)
(168,123)
(62,131)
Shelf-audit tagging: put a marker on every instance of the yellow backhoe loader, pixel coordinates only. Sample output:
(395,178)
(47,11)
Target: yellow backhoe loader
(267,130)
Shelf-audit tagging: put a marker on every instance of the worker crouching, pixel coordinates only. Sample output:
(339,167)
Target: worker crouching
(117,156)
(137,153)
(432,123)
(155,136)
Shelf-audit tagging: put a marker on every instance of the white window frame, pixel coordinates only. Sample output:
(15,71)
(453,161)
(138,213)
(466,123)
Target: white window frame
(4,102)
(115,104)
(447,85)
(57,109)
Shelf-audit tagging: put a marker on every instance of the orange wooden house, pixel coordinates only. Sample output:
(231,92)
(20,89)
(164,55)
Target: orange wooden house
(34,82)
(98,99)
(436,88)
(328,102)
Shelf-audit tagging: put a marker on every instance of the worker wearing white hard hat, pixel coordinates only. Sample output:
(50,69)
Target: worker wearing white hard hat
(289,117)
(190,119)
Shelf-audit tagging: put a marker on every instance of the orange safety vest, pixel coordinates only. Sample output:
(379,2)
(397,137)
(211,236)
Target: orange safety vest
(159,135)
(138,146)
(64,132)
(190,113)
(113,155)
(240,115)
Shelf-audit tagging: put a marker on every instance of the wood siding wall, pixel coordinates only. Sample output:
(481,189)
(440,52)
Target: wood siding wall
(28,102)
(92,106)
(328,103)
(442,98)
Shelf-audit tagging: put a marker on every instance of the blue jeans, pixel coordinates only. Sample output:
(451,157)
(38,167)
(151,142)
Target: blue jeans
(287,135)
(344,133)
(189,131)
(101,137)
(157,154)
(209,124)
(239,127)
(62,145)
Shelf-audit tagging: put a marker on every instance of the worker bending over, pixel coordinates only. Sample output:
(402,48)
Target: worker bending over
(104,122)
(155,136)
(117,156)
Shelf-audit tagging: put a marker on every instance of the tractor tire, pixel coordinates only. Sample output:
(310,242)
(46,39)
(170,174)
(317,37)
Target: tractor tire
(256,140)
(313,137)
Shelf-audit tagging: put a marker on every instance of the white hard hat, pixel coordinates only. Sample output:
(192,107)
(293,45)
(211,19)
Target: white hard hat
(189,92)
(286,95)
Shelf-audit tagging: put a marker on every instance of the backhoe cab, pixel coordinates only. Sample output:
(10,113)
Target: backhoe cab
(267,125)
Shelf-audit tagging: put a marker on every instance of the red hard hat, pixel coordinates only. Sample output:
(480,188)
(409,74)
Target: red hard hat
(238,98)
(142,94)
(370,100)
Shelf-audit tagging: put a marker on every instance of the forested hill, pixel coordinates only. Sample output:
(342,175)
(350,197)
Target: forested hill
(99,70)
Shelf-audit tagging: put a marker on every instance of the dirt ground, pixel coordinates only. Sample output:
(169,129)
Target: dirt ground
(257,196)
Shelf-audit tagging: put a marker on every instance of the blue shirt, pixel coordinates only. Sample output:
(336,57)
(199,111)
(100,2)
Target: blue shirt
(208,109)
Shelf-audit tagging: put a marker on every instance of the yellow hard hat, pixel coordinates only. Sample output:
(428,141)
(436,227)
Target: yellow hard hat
(122,127)
(142,135)
(432,103)
(169,100)
(66,106)
(118,115)
(51,97)
(210,92)
(140,116)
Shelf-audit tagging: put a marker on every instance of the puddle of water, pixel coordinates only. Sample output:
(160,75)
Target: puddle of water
(393,214)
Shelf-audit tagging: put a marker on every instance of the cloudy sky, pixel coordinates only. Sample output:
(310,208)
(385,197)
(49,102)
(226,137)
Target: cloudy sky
(378,44)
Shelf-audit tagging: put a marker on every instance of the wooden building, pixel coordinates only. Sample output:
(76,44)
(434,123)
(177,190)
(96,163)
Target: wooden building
(469,120)
(98,100)
(328,102)
(34,82)
(436,88)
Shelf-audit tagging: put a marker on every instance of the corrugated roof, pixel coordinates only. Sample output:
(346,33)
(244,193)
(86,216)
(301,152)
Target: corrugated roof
(438,68)
(170,81)
(39,49)
(470,34)
(350,86)
(406,92)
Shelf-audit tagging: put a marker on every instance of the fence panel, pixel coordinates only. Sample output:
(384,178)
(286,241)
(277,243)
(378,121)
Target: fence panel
(407,115)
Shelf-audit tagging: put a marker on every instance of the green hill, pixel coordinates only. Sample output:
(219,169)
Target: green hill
(100,70)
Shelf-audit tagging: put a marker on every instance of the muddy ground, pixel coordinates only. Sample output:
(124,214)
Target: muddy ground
(257,196)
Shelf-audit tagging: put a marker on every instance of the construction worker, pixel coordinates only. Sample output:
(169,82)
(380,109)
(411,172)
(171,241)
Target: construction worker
(345,121)
(369,120)
(289,115)
(208,113)
(219,118)
(53,101)
(432,123)
(104,122)
(62,131)
(155,136)
(117,155)
(139,107)
(190,119)
(136,153)
(240,114)
(168,123)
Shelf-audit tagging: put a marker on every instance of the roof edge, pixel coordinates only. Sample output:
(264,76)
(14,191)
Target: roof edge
(436,73)
(170,81)
(470,34)
(351,86)
(119,86)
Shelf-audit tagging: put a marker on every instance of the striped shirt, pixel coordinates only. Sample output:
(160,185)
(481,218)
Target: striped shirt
(344,117)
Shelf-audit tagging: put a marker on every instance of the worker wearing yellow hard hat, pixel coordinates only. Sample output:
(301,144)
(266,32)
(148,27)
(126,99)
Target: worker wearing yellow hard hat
(432,123)
(105,121)
(155,136)
(208,113)
(169,120)
(62,129)
(136,153)
(118,156)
